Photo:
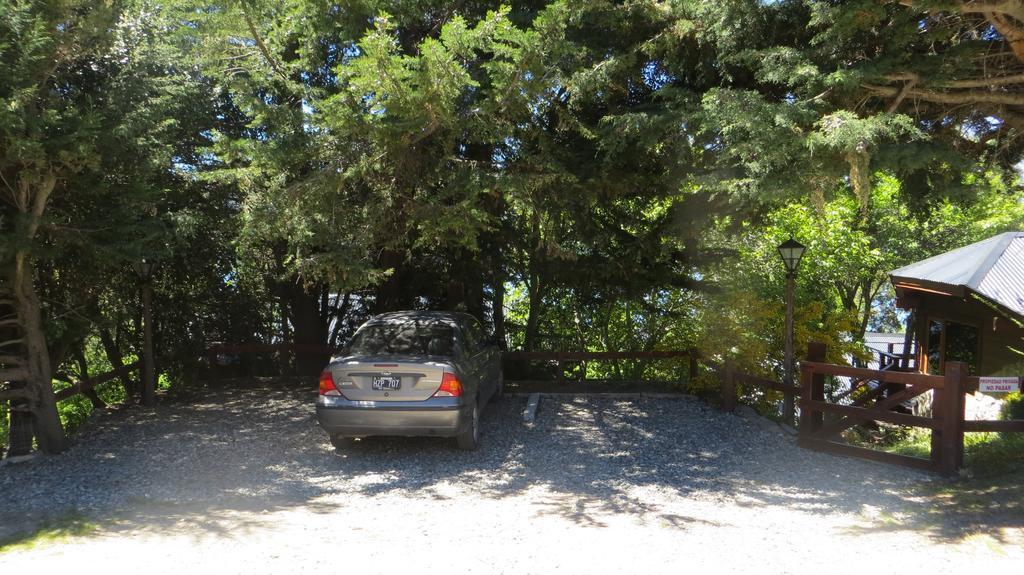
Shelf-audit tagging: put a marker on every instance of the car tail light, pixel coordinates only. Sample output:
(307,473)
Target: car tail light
(450,386)
(327,384)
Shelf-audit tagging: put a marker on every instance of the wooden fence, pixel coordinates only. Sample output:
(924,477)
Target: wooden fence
(873,396)
(878,395)
(247,348)
(561,358)
(732,378)
(217,369)
(84,386)
(88,384)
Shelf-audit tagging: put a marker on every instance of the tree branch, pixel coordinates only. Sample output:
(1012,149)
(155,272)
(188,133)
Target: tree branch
(1011,30)
(986,82)
(1006,80)
(964,97)
(271,60)
(907,87)
(1006,16)
(1013,8)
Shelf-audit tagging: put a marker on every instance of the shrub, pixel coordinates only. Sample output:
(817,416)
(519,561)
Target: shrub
(1013,406)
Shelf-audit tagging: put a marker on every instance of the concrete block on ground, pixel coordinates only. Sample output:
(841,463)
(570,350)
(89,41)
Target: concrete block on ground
(530,413)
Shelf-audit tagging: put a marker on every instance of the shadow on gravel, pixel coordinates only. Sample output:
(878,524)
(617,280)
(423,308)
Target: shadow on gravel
(225,464)
(964,509)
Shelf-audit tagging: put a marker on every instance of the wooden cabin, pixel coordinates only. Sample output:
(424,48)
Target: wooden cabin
(967,305)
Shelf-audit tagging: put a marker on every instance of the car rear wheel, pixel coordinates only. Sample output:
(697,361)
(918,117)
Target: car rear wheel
(469,439)
(342,442)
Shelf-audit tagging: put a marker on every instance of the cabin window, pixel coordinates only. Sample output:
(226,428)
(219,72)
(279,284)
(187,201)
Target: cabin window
(951,341)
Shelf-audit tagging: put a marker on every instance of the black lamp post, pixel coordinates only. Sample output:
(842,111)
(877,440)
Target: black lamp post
(144,268)
(791,251)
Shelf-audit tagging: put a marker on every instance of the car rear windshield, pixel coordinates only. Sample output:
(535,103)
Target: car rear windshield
(405,338)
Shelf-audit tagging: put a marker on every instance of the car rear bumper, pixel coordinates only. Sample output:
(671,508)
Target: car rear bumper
(441,417)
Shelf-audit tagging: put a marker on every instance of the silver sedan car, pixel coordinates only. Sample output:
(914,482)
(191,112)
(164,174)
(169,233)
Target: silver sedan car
(411,373)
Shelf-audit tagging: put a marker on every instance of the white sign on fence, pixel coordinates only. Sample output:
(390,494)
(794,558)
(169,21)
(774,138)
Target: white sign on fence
(998,384)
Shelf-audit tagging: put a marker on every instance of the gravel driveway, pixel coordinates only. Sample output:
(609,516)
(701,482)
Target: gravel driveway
(243,481)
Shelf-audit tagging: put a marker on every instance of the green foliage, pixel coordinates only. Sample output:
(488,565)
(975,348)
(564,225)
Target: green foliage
(844,131)
(52,531)
(581,175)
(986,455)
(1013,406)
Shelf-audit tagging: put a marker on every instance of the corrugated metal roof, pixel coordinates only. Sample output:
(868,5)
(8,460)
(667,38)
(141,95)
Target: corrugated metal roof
(993,268)
(1004,281)
(878,337)
(960,266)
(878,341)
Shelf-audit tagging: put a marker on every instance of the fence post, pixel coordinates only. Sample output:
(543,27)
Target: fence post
(951,412)
(211,355)
(938,398)
(812,389)
(729,387)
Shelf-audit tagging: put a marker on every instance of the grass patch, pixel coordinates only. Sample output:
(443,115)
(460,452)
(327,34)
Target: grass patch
(985,454)
(48,532)
(983,508)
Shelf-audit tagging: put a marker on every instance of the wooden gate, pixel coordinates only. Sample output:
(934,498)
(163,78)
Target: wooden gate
(877,395)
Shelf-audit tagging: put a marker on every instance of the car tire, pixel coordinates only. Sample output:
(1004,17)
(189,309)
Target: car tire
(341,442)
(469,438)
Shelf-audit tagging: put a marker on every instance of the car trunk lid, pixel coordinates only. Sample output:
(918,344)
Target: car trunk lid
(390,379)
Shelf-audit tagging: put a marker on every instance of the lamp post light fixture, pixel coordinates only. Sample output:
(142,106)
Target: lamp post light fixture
(792,252)
(144,268)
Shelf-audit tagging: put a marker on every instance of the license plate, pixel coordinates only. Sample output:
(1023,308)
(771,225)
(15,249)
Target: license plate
(387,382)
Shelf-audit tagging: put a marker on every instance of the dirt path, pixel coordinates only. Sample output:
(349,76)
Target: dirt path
(245,482)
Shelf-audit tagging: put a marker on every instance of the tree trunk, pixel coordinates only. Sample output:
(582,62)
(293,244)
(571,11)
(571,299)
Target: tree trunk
(455,290)
(867,297)
(473,286)
(83,375)
(389,292)
(148,379)
(533,315)
(48,429)
(534,287)
(117,362)
(308,328)
(19,435)
(338,314)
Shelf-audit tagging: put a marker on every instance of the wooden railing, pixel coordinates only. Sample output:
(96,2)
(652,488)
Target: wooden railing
(874,395)
(731,377)
(21,393)
(88,384)
(889,359)
(561,358)
(880,403)
(218,370)
(246,348)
